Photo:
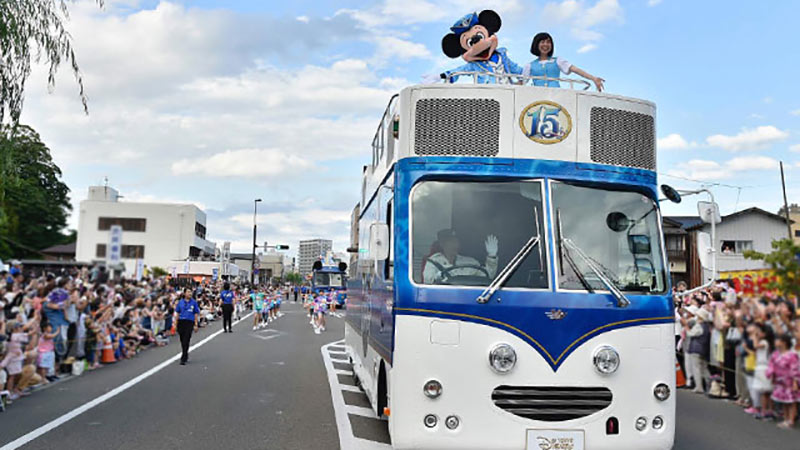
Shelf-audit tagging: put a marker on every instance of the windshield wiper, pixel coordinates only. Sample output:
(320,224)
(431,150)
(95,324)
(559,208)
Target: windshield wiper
(562,252)
(512,265)
(622,300)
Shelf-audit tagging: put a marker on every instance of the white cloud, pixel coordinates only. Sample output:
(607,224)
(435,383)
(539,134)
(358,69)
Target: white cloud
(674,141)
(706,170)
(399,13)
(744,163)
(242,163)
(582,18)
(748,139)
(653,2)
(195,104)
(303,19)
(587,48)
(698,169)
(795,112)
(396,49)
(768,100)
(795,148)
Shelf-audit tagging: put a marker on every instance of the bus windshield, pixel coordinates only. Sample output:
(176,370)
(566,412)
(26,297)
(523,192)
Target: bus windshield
(331,279)
(616,230)
(463,233)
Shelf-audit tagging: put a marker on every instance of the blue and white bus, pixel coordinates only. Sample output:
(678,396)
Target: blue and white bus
(330,278)
(510,289)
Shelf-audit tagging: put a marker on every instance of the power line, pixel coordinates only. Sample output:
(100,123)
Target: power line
(706,182)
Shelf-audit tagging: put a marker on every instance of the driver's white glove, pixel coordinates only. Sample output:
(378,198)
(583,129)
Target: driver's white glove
(491,246)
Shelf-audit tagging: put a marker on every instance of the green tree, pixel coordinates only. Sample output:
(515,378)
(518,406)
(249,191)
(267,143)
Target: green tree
(159,272)
(34,202)
(785,261)
(33,31)
(294,278)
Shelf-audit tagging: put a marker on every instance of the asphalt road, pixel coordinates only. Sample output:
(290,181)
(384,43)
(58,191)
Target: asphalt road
(272,389)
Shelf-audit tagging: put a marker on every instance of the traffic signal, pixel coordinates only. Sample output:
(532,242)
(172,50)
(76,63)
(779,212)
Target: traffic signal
(282,247)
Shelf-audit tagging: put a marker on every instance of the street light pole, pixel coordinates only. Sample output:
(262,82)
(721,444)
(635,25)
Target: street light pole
(253,260)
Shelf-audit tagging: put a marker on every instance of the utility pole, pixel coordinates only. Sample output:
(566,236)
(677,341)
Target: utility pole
(253,260)
(786,205)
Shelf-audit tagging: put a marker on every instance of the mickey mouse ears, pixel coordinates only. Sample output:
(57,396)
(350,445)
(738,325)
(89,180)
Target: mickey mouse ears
(465,23)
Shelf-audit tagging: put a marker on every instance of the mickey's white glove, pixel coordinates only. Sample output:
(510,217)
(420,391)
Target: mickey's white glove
(491,246)
(432,78)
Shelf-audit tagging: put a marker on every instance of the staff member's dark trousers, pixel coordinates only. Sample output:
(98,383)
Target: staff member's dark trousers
(185,329)
(227,316)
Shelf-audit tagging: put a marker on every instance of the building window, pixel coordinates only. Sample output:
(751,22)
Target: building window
(127,223)
(199,230)
(676,243)
(797,233)
(133,251)
(735,247)
(127,251)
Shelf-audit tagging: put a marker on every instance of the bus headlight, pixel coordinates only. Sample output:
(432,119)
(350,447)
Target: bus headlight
(502,358)
(606,360)
(658,422)
(432,389)
(641,423)
(661,391)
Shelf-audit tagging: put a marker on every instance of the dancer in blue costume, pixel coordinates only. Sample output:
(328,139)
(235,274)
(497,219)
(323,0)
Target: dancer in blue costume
(545,65)
(473,38)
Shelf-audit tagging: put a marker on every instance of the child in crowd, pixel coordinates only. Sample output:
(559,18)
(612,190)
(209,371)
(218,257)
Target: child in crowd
(761,386)
(258,305)
(47,354)
(319,310)
(784,372)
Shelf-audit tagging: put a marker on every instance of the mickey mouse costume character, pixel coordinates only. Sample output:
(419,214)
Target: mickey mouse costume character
(473,38)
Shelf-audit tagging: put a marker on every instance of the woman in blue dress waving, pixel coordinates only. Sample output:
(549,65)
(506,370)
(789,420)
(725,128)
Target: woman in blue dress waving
(545,65)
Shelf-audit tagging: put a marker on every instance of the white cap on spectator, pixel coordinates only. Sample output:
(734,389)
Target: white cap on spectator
(704,314)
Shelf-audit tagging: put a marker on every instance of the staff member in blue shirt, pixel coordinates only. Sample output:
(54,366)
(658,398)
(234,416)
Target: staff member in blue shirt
(227,308)
(187,312)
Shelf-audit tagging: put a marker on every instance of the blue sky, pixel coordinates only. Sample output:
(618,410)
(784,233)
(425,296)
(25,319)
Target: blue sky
(217,103)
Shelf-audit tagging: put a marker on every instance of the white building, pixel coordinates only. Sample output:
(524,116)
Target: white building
(157,233)
(749,229)
(311,250)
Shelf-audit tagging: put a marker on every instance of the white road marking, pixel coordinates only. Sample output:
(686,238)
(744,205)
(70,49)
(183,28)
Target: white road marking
(346,438)
(19,442)
(270,333)
(360,411)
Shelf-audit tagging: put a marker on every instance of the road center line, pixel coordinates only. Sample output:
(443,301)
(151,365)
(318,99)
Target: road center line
(19,442)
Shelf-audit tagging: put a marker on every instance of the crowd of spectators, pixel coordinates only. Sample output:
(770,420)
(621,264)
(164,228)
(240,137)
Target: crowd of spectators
(745,347)
(53,324)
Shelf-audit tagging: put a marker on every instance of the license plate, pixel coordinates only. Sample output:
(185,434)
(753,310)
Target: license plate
(554,440)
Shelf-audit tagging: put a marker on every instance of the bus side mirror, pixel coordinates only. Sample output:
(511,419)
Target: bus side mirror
(671,194)
(317,265)
(709,212)
(378,241)
(342,266)
(704,250)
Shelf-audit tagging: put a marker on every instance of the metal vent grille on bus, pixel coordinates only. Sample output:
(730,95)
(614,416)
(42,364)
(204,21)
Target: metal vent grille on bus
(551,403)
(457,126)
(623,138)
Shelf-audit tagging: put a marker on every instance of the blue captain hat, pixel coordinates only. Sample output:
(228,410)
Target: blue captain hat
(465,23)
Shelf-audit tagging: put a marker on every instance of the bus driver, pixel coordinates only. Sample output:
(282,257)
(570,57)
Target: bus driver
(445,262)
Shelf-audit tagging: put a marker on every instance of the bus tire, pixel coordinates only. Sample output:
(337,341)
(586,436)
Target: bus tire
(383,398)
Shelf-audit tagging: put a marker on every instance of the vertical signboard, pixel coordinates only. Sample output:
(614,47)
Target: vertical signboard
(139,269)
(114,248)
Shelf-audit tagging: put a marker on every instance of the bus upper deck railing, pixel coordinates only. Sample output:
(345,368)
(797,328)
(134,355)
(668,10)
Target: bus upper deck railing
(510,78)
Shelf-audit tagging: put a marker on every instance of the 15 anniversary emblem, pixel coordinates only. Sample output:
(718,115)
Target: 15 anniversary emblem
(545,122)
